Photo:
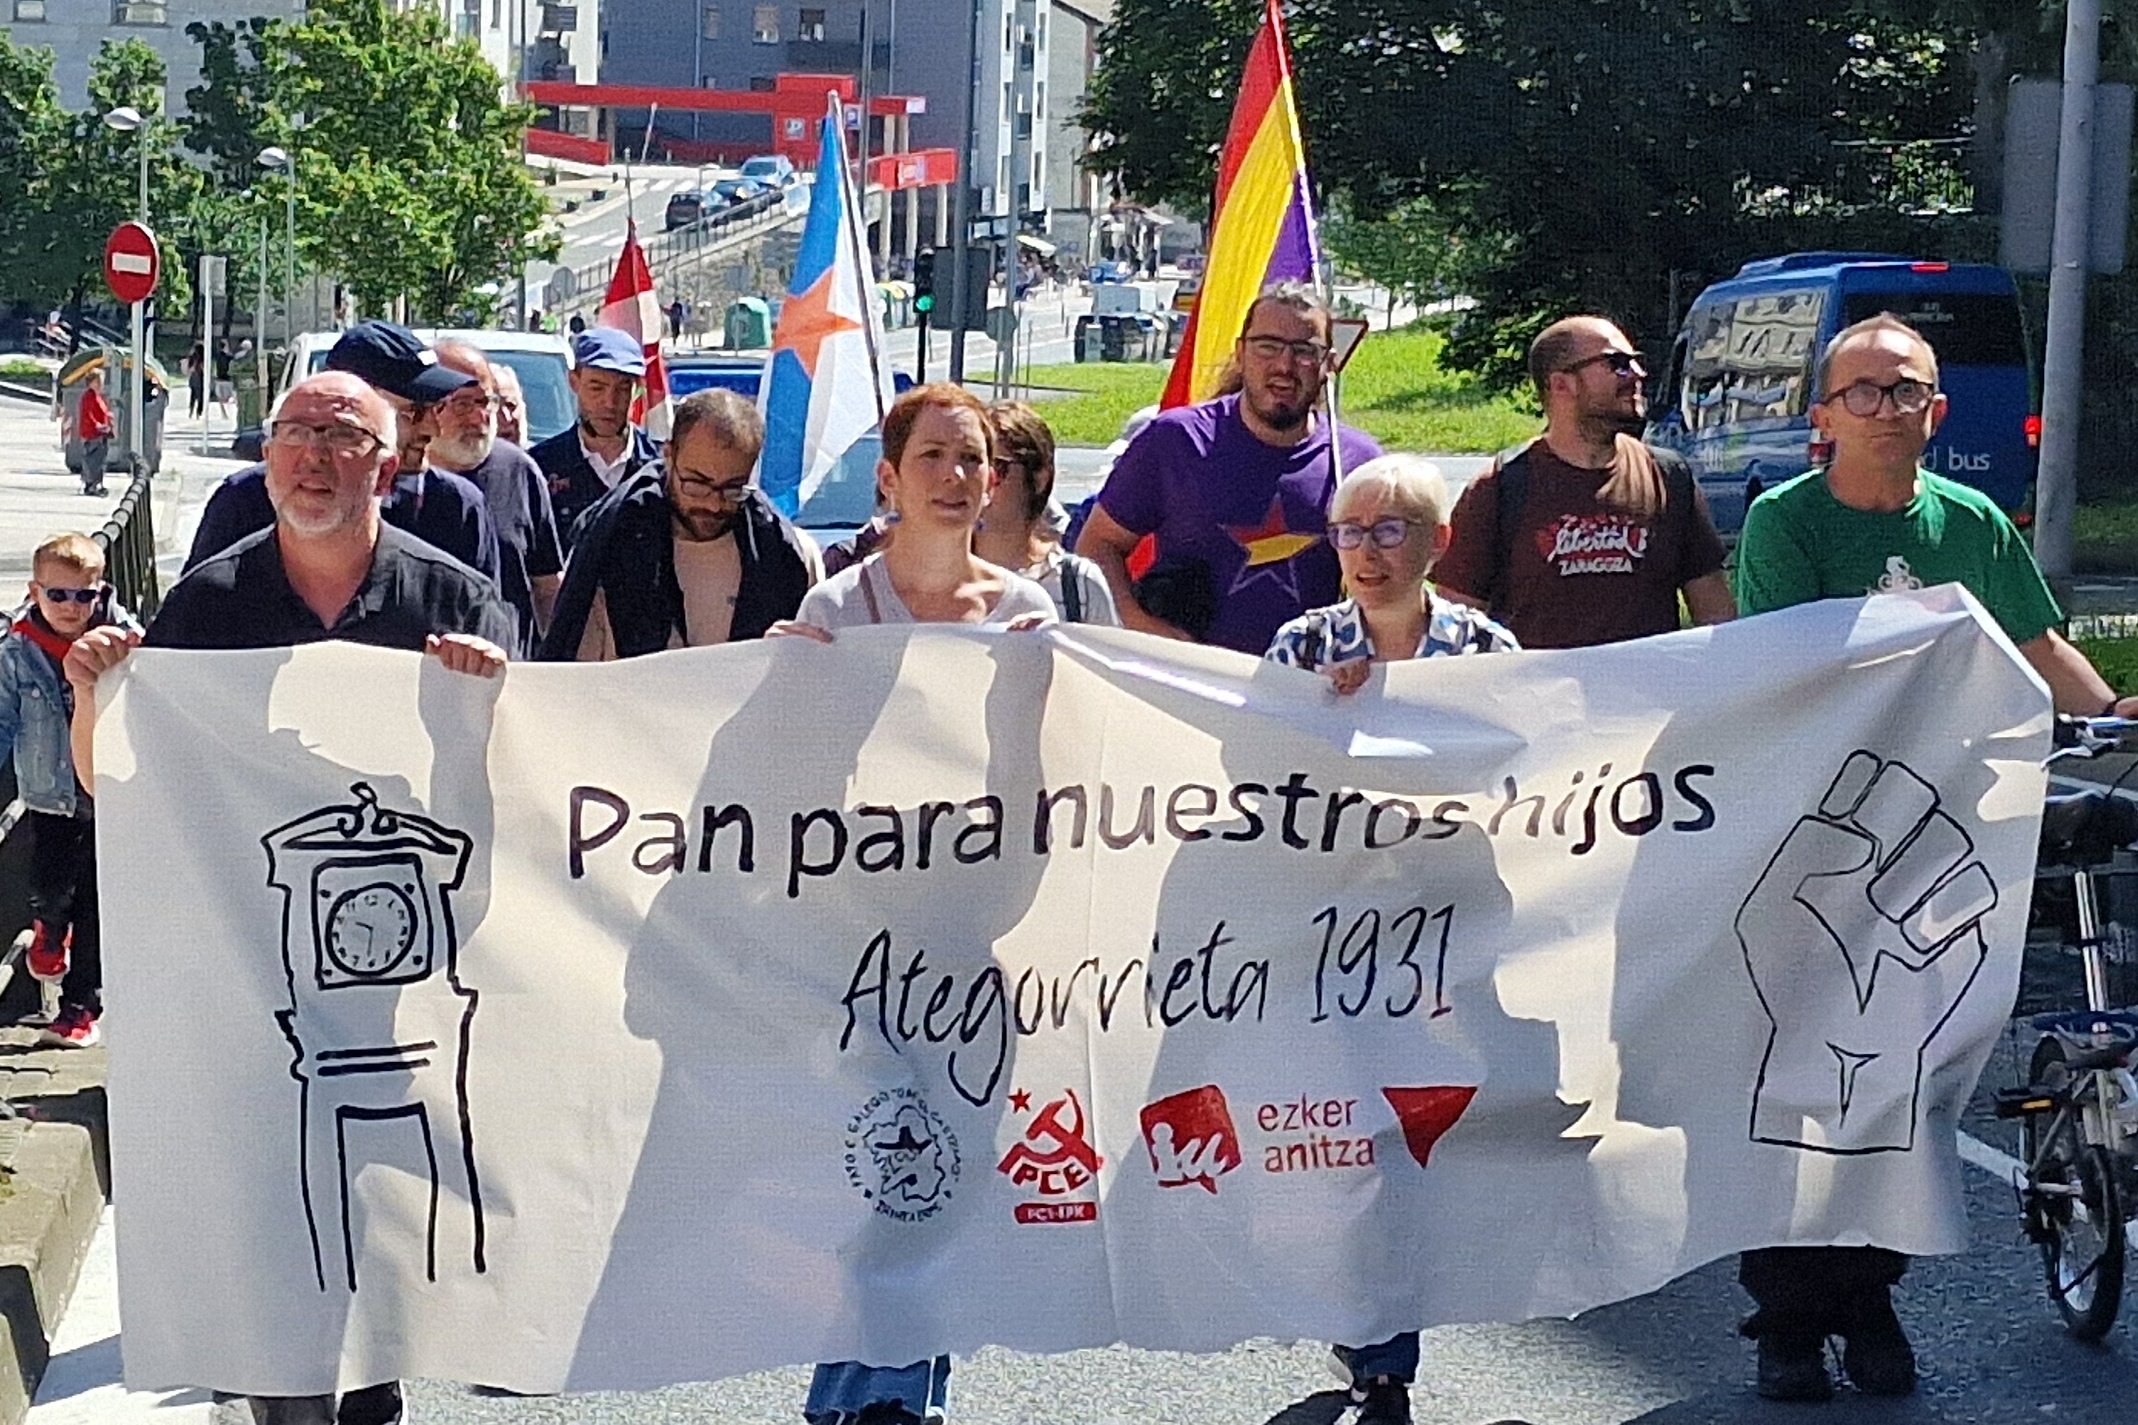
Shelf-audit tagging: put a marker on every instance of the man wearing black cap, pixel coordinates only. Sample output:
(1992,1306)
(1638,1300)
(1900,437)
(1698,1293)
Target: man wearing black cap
(591,459)
(464,441)
(443,510)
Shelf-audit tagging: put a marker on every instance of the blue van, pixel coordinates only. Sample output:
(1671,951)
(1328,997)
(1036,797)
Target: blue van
(1734,395)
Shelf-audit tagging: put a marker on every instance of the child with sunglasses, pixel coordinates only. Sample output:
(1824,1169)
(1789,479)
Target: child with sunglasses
(68,597)
(1388,521)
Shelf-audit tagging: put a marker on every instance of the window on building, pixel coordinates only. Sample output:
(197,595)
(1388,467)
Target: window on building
(497,14)
(468,20)
(29,11)
(764,24)
(709,22)
(760,84)
(812,27)
(138,12)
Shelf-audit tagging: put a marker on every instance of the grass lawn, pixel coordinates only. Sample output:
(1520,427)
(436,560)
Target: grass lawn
(1393,389)
(2115,658)
(2105,536)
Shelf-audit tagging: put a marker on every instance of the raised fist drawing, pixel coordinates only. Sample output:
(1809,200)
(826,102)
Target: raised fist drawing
(1862,936)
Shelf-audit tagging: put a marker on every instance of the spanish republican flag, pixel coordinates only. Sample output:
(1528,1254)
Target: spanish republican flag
(1262,220)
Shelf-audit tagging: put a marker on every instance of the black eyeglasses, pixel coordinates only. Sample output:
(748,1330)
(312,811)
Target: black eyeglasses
(1865,398)
(75,596)
(729,490)
(1622,363)
(1385,534)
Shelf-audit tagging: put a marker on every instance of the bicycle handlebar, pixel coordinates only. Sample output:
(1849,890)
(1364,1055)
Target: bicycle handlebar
(2092,736)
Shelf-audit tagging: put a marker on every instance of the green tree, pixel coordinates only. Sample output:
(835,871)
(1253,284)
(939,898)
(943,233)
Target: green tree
(410,176)
(90,183)
(1576,154)
(30,124)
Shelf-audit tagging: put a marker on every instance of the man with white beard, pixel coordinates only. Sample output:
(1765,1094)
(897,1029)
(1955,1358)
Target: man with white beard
(464,442)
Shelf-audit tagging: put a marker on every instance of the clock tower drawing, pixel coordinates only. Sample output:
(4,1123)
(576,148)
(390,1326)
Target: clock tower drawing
(367,934)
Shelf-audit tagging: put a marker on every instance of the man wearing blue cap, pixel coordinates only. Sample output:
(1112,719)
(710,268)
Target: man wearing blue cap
(586,462)
(443,510)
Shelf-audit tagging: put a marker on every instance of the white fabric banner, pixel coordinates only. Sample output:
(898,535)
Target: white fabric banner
(613,1026)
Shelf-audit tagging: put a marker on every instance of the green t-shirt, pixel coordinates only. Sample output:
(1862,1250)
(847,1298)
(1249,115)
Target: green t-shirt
(1800,543)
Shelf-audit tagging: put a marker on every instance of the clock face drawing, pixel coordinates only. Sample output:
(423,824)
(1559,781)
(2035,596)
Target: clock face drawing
(372,922)
(371,929)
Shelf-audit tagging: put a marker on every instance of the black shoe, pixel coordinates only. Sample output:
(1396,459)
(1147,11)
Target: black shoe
(1792,1366)
(1381,1401)
(1875,1354)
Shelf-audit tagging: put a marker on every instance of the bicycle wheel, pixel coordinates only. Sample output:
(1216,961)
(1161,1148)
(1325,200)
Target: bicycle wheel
(2080,1224)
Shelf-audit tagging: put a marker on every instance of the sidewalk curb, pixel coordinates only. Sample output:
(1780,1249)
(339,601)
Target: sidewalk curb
(55,1177)
(50,1203)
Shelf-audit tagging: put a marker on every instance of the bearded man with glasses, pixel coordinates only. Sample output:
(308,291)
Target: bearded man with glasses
(1585,535)
(1234,492)
(1872,521)
(685,552)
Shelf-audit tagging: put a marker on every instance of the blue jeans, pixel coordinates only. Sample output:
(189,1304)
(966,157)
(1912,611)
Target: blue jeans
(1396,1358)
(843,1388)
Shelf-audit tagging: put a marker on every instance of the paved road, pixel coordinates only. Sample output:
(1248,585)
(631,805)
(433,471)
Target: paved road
(1991,1351)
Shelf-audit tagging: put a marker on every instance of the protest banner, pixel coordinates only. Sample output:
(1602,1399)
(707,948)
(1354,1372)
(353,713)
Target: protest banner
(609,1026)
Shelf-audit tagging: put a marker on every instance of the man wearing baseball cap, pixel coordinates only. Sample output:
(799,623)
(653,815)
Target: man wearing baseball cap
(444,510)
(586,462)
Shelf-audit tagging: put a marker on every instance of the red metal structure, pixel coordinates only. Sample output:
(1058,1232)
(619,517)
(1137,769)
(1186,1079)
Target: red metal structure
(792,107)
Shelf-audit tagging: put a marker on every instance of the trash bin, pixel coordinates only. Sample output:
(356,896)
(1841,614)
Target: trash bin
(1089,334)
(251,400)
(118,375)
(749,324)
(1113,336)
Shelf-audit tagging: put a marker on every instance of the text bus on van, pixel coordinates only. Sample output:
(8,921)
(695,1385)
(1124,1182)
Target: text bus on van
(1735,394)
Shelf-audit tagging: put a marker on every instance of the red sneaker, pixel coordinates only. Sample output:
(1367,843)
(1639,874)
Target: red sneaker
(76,1028)
(47,959)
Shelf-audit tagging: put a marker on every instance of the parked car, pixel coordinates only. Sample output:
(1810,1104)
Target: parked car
(771,169)
(1734,395)
(847,498)
(685,208)
(542,361)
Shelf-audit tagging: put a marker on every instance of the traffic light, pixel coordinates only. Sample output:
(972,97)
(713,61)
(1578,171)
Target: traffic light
(924,281)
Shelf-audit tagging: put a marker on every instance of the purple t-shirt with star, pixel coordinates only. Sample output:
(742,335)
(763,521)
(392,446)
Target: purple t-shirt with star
(1198,479)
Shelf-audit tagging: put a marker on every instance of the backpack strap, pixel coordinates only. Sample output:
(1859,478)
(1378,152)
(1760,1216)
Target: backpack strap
(1072,590)
(1510,472)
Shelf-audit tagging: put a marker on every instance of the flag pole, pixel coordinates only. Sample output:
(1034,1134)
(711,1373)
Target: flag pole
(864,267)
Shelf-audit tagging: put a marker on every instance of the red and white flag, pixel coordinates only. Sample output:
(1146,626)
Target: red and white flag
(631,307)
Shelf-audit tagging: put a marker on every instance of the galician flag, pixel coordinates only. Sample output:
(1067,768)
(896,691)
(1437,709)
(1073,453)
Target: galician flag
(632,308)
(1262,218)
(824,387)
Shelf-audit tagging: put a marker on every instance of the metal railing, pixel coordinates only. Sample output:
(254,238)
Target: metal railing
(129,540)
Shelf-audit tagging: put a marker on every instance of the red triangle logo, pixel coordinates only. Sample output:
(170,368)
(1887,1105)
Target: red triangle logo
(1428,1113)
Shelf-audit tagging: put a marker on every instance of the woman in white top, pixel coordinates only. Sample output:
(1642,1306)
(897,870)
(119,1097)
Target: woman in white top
(1019,532)
(937,469)
(936,473)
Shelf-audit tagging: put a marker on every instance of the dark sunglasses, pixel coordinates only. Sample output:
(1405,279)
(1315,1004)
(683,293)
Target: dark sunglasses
(75,596)
(1622,363)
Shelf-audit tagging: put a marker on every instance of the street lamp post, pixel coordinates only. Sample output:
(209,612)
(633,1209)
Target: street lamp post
(126,119)
(284,161)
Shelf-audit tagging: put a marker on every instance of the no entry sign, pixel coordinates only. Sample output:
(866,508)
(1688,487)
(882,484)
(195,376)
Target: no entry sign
(131,262)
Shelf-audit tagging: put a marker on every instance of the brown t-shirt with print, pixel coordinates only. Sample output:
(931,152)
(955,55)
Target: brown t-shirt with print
(1580,574)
